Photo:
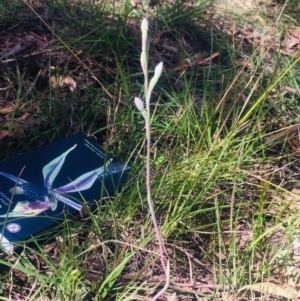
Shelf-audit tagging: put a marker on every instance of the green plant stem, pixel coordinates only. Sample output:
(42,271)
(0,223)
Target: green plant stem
(166,285)
(148,184)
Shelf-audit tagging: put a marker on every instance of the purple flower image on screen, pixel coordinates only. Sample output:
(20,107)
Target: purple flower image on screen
(42,198)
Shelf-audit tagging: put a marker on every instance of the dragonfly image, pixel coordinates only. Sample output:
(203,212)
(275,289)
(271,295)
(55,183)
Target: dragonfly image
(44,197)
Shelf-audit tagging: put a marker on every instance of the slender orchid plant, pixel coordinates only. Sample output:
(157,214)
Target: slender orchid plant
(146,114)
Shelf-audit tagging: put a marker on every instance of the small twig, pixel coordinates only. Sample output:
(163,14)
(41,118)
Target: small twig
(196,62)
(283,134)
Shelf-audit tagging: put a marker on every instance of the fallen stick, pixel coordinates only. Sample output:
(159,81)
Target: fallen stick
(283,134)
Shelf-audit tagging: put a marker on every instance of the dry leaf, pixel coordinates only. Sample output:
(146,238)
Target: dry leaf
(292,43)
(63,80)
(19,132)
(22,118)
(271,288)
(8,109)
(293,197)
(3,134)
